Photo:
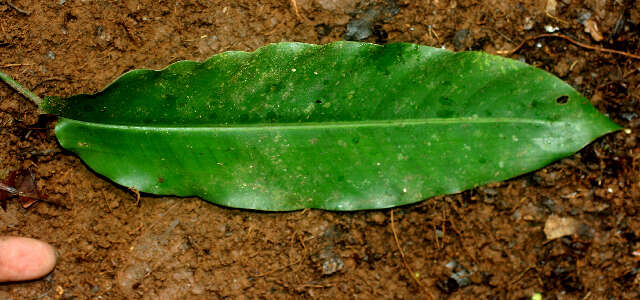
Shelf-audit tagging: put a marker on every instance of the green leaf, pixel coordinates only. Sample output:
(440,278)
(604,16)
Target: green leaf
(342,126)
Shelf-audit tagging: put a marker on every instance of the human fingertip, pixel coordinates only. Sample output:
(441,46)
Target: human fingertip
(25,259)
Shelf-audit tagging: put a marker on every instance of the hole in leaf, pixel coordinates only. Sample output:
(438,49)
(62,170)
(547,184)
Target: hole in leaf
(562,99)
(319,101)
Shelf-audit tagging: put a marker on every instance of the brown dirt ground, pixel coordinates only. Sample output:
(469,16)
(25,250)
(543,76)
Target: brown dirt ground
(486,243)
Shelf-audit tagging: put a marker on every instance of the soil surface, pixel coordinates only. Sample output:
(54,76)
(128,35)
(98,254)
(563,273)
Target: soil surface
(485,243)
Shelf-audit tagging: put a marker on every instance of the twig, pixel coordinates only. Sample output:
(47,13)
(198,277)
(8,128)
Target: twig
(504,36)
(435,233)
(562,36)
(521,275)
(137,193)
(42,152)
(444,226)
(434,33)
(15,65)
(317,286)
(404,260)
(24,91)
(18,9)
(294,3)
(556,18)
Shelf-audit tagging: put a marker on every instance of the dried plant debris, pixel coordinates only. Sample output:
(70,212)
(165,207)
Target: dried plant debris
(20,183)
(556,227)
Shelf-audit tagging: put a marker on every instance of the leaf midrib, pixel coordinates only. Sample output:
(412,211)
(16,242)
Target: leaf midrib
(332,124)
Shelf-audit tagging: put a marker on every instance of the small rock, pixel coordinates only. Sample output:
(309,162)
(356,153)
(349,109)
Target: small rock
(490,191)
(556,227)
(583,17)
(550,29)
(459,277)
(359,29)
(629,116)
(591,27)
(529,22)
(364,26)
(452,264)
(330,262)
(461,35)
(462,278)
(550,204)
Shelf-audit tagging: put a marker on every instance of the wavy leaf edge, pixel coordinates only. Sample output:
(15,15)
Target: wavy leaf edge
(57,105)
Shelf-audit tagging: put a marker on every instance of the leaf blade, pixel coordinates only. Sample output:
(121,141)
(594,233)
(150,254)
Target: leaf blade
(339,126)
